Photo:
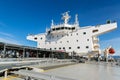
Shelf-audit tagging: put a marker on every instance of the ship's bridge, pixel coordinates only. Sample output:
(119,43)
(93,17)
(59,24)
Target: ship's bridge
(65,27)
(62,29)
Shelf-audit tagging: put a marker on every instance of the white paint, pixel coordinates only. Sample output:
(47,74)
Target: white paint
(79,37)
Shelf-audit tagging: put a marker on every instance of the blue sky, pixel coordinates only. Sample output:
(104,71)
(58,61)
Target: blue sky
(18,18)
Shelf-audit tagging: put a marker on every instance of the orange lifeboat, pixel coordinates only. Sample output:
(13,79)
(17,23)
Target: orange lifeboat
(111,51)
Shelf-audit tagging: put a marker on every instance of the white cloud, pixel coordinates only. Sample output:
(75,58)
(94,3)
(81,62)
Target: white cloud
(115,43)
(9,40)
(6,34)
(7,37)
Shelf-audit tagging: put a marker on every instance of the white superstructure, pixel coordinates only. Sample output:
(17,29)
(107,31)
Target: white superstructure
(71,37)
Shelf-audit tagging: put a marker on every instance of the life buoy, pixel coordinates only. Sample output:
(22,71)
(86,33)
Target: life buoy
(111,51)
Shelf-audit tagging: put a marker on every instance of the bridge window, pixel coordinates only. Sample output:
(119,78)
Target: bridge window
(59,47)
(53,29)
(73,28)
(57,28)
(63,47)
(96,30)
(62,28)
(69,28)
(66,28)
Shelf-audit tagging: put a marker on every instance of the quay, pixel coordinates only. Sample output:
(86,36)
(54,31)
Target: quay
(88,71)
(32,68)
(18,51)
(79,71)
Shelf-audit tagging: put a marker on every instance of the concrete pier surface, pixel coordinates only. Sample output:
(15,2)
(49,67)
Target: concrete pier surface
(37,66)
(71,71)
(38,63)
(87,71)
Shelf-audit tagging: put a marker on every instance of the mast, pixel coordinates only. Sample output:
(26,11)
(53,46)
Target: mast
(52,23)
(66,17)
(76,20)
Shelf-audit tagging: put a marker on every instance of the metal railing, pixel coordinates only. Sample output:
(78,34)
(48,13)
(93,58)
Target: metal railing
(37,75)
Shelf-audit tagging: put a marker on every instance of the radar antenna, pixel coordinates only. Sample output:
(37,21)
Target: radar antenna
(66,17)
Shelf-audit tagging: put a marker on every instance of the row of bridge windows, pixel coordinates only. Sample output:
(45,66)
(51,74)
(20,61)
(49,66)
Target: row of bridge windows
(62,28)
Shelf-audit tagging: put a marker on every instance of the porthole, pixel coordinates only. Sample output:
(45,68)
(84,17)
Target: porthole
(78,47)
(84,33)
(87,47)
(35,38)
(69,47)
(41,38)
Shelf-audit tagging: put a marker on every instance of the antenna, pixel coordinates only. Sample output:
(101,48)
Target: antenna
(47,29)
(66,17)
(52,22)
(76,19)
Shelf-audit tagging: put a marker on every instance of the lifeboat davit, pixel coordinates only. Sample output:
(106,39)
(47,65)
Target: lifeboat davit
(111,51)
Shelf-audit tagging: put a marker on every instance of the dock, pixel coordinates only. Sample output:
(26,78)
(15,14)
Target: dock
(32,68)
(8,50)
